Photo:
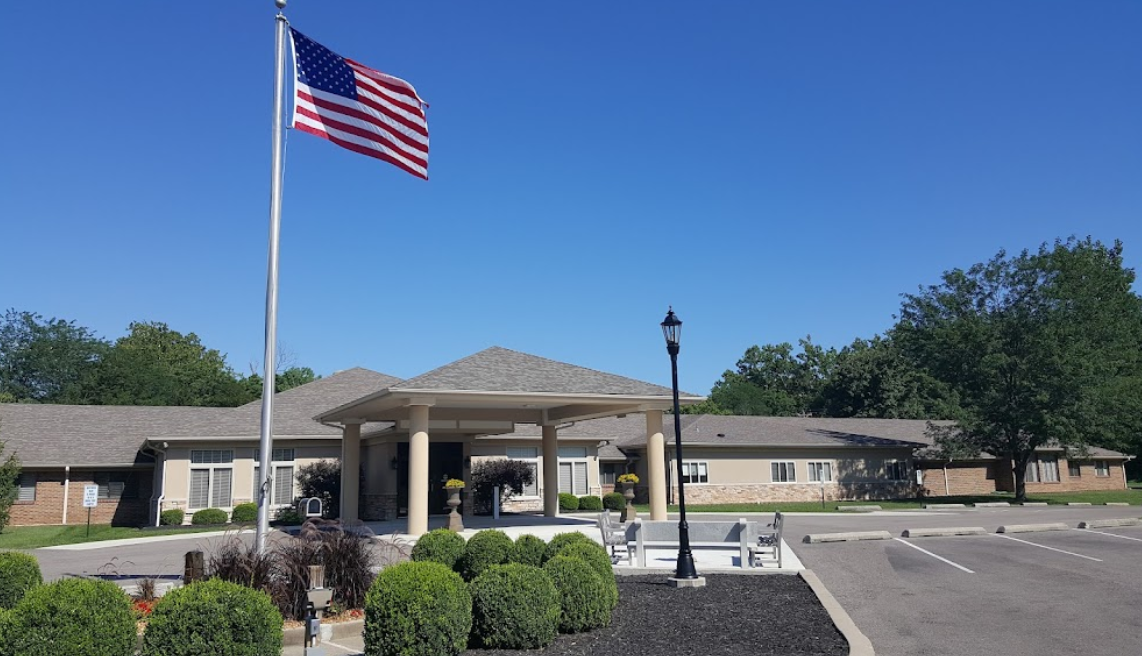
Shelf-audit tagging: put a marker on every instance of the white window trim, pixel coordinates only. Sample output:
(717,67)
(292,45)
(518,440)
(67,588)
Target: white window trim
(1105,468)
(700,463)
(585,459)
(892,464)
(1043,469)
(25,481)
(791,468)
(210,467)
(274,465)
(812,468)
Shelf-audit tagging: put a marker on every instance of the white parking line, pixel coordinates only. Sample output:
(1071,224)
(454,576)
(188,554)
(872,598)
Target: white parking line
(1043,546)
(940,558)
(1113,535)
(348,649)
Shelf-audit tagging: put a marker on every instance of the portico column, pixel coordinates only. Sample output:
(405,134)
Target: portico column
(350,470)
(417,470)
(655,464)
(550,472)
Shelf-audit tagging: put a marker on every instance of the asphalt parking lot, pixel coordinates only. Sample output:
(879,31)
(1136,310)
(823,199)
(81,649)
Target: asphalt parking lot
(1061,592)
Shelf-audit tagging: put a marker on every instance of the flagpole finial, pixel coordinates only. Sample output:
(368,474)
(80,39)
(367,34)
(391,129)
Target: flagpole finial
(280,4)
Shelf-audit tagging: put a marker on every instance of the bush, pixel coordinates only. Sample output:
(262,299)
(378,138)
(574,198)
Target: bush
(244,513)
(417,609)
(568,502)
(76,617)
(614,501)
(528,550)
(510,475)
(595,555)
(289,517)
(19,572)
(213,618)
(514,606)
(590,502)
(439,546)
(582,595)
(561,540)
(484,549)
(172,517)
(349,559)
(322,479)
(208,516)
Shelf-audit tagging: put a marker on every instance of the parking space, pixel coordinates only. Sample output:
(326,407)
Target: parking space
(1070,592)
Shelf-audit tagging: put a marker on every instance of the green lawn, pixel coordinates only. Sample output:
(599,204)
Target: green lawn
(1132,496)
(34,537)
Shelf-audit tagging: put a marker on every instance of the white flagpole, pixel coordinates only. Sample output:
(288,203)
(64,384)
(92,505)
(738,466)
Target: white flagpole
(269,362)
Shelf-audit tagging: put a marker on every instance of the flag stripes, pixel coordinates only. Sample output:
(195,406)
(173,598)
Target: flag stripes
(358,108)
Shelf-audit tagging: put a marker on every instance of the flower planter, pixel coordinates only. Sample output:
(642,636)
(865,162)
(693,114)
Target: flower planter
(455,521)
(629,512)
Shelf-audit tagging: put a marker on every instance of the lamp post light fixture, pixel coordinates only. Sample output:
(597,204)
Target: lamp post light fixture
(685,573)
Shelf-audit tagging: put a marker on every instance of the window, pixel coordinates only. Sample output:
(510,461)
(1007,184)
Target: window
(695,472)
(820,472)
(27,487)
(1074,469)
(282,486)
(117,485)
(211,476)
(783,472)
(1101,468)
(529,455)
(1049,468)
(896,470)
(573,469)
(1031,474)
(608,472)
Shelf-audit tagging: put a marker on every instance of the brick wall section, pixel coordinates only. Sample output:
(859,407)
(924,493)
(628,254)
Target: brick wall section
(1087,480)
(47,509)
(788,492)
(963,479)
(981,479)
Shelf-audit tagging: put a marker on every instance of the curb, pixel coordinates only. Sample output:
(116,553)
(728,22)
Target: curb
(816,538)
(945,506)
(859,644)
(1078,503)
(1034,503)
(993,504)
(858,509)
(295,636)
(1116,503)
(1032,528)
(1110,523)
(942,532)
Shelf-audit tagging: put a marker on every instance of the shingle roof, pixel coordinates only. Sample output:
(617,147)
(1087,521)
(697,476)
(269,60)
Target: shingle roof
(294,409)
(498,369)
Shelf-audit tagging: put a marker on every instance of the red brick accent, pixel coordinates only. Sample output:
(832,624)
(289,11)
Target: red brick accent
(47,509)
(963,478)
(979,478)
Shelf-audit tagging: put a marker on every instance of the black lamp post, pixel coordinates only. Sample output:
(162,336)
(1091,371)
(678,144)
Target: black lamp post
(672,330)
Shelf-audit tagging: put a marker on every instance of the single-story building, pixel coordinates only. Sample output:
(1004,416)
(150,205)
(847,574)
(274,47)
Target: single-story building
(579,428)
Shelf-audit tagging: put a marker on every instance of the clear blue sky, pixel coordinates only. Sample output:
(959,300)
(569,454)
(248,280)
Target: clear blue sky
(771,169)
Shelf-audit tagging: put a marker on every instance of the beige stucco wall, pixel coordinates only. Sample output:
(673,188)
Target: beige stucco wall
(498,449)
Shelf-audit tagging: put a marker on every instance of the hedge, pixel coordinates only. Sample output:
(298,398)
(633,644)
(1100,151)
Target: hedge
(484,549)
(582,595)
(213,618)
(568,502)
(561,540)
(614,501)
(244,513)
(514,606)
(417,609)
(19,572)
(439,546)
(73,617)
(172,517)
(595,555)
(209,516)
(590,502)
(528,550)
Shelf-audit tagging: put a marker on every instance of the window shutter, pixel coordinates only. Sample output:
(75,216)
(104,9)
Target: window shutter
(283,486)
(199,488)
(27,487)
(257,483)
(532,490)
(221,490)
(565,477)
(580,478)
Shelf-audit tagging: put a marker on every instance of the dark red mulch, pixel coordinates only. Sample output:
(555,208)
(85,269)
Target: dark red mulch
(732,615)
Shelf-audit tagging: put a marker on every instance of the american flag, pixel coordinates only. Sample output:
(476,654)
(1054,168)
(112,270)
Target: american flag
(358,108)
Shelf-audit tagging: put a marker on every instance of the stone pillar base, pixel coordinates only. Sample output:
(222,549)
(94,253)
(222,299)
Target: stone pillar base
(699,582)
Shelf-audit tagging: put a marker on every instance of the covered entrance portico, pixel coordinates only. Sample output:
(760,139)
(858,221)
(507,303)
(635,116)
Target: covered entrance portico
(487,394)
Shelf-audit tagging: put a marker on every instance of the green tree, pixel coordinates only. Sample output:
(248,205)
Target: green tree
(773,380)
(154,365)
(1037,347)
(288,379)
(9,485)
(872,378)
(45,360)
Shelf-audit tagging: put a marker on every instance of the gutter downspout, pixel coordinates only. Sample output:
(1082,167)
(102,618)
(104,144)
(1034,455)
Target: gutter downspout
(947,486)
(66,486)
(158,501)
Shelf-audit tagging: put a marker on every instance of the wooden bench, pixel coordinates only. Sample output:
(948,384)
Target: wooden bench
(644,534)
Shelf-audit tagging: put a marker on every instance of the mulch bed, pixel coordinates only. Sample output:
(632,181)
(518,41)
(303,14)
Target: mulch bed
(733,615)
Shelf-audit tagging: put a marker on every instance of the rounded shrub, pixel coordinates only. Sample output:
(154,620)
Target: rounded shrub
(590,502)
(484,549)
(614,501)
(439,546)
(582,595)
(514,606)
(209,516)
(417,609)
(568,502)
(244,513)
(19,572)
(213,618)
(172,517)
(595,555)
(561,540)
(528,550)
(72,616)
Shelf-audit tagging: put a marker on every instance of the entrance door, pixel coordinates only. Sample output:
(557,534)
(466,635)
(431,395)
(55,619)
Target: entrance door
(445,460)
